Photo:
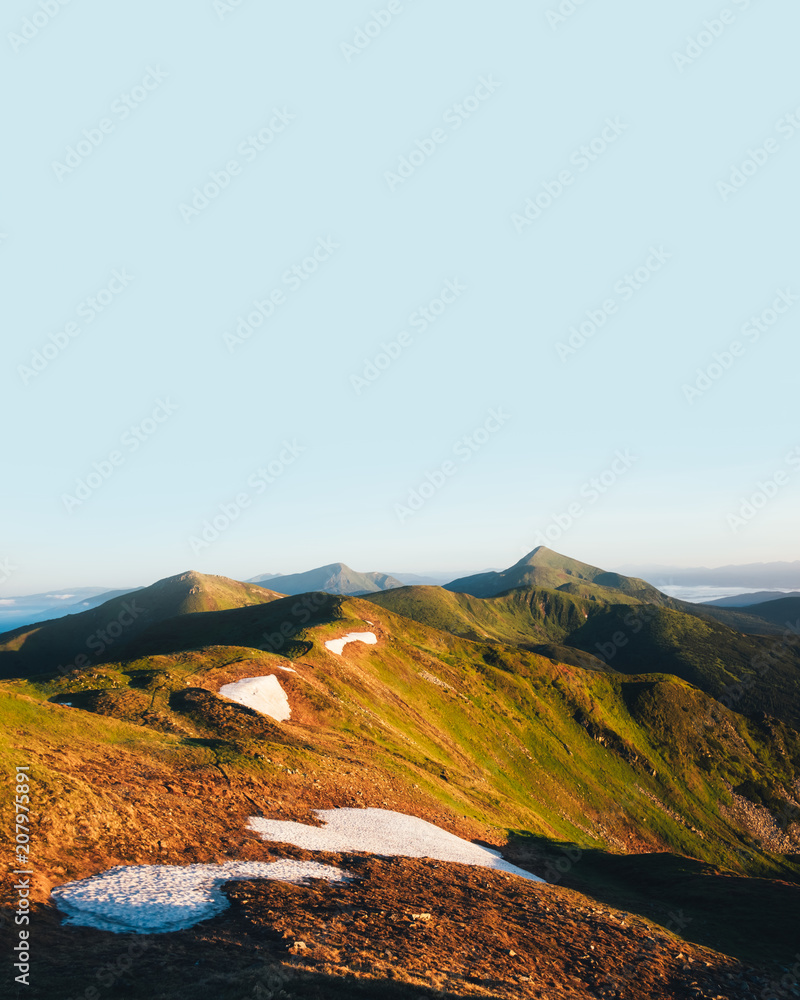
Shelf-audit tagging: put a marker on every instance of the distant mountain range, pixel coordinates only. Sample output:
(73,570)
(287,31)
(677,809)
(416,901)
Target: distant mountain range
(748,600)
(761,576)
(540,568)
(335,578)
(427,580)
(16,611)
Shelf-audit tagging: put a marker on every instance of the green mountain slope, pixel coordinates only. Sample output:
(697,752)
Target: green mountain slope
(784,613)
(751,673)
(579,774)
(80,639)
(500,735)
(551,570)
(745,620)
(533,618)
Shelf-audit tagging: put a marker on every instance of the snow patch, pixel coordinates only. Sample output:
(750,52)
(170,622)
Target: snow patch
(264,694)
(289,670)
(337,645)
(382,832)
(153,899)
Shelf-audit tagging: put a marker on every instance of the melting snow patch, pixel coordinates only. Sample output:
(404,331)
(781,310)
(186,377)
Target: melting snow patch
(289,670)
(152,899)
(383,832)
(264,694)
(337,645)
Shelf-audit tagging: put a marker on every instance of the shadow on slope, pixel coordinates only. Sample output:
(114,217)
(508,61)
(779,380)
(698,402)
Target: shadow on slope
(752,919)
(749,673)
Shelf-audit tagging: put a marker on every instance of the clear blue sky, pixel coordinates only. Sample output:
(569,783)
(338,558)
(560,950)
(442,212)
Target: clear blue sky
(405,158)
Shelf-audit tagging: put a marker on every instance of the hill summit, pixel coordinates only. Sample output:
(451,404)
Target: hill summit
(336,578)
(76,640)
(545,568)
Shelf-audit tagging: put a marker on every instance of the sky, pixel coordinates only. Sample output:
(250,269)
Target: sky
(415,287)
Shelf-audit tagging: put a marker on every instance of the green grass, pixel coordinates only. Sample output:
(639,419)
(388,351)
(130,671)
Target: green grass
(493,732)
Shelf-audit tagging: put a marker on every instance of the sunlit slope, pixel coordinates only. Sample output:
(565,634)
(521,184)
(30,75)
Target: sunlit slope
(498,735)
(93,635)
(754,673)
(524,616)
(544,568)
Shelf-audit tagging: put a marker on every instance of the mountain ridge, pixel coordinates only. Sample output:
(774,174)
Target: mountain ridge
(86,635)
(619,746)
(543,567)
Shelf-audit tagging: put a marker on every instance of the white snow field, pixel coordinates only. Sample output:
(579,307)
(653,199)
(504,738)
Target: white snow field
(382,832)
(337,645)
(153,899)
(264,694)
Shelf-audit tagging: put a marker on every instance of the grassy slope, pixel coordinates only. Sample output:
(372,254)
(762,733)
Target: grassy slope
(751,673)
(521,617)
(550,570)
(742,620)
(630,636)
(92,633)
(547,569)
(485,740)
(499,735)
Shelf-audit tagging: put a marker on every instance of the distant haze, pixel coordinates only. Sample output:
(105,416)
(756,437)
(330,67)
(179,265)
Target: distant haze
(753,576)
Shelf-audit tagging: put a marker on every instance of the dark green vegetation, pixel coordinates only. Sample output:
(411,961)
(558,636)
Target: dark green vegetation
(500,734)
(753,673)
(781,612)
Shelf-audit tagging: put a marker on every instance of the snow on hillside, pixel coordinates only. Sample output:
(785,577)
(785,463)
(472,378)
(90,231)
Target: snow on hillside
(263,694)
(153,899)
(337,645)
(382,832)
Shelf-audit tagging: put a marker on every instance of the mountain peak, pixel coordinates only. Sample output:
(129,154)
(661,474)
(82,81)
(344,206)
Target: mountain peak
(542,557)
(545,568)
(183,594)
(538,556)
(335,578)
